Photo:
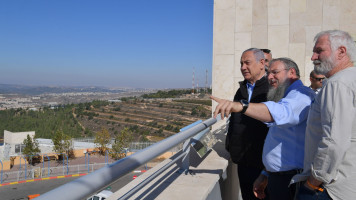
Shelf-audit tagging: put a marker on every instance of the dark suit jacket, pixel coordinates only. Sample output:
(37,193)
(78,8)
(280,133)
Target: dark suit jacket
(245,137)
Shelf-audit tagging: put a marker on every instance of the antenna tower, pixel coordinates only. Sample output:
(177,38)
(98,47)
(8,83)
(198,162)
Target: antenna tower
(193,82)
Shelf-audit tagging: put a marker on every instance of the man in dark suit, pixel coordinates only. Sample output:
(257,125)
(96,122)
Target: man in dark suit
(245,137)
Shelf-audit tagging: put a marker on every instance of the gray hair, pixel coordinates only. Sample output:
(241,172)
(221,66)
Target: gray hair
(339,38)
(288,64)
(258,53)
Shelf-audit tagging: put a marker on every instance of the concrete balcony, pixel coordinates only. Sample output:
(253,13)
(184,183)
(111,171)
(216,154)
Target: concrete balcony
(211,177)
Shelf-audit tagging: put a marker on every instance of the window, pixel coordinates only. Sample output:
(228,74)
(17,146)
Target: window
(19,148)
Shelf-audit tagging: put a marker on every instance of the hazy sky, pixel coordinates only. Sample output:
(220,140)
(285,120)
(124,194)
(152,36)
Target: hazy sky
(121,43)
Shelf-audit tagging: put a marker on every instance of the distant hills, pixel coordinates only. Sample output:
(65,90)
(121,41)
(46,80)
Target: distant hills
(37,90)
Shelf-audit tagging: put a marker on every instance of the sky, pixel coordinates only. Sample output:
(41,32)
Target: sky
(112,43)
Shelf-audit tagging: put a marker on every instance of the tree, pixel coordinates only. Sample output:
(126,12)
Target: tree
(194,111)
(31,148)
(102,140)
(62,143)
(121,142)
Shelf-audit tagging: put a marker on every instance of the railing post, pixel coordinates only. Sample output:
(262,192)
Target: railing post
(63,163)
(67,165)
(187,148)
(185,160)
(189,151)
(106,157)
(25,166)
(2,167)
(20,164)
(25,170)
(49,162)
(67,161)
(88,162)
(86,157)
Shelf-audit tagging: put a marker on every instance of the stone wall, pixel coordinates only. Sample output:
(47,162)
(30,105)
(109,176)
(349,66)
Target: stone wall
(287,27)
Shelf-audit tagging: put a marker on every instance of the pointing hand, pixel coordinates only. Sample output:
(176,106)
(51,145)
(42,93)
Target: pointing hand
(225,107)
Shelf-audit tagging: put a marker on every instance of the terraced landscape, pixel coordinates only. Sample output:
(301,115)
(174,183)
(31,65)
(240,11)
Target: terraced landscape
(148,119)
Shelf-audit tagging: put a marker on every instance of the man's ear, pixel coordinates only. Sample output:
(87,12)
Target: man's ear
(292,72)
(342,51)
(263,62)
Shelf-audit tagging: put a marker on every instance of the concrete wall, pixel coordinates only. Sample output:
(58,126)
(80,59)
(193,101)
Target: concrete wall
(16,137)
(287,27)
(13,138)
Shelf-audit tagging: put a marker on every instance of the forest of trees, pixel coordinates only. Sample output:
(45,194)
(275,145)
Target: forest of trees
(167,94)
(44,122)
(47,121)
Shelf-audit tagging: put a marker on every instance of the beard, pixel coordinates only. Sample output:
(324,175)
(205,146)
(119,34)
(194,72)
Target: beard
(323,67)
(276,94)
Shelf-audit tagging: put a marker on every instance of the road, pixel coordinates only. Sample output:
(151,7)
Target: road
(22,190)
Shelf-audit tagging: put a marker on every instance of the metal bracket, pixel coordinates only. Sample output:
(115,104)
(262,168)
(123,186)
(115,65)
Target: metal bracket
(190,155)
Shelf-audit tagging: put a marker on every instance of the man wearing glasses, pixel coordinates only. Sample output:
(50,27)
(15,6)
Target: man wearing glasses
(268,55)
(285,113)
(316,81)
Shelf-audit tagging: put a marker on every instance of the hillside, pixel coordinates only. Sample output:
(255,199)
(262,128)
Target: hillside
(148,118)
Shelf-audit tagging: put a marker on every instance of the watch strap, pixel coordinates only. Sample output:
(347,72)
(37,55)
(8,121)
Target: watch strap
(244,105)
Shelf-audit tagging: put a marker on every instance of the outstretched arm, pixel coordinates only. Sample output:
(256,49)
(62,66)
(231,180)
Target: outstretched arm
(257,111)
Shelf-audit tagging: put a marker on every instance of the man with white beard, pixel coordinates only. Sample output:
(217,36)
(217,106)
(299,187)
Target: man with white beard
(285,113)
(330,142)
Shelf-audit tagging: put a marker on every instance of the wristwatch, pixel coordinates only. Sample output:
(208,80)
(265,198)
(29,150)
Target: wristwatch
(244,104)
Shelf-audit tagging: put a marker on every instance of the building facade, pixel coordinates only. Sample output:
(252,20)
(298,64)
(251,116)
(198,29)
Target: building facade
(287,27)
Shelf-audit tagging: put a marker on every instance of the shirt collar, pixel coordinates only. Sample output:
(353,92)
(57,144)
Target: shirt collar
(249,85)
(294,85)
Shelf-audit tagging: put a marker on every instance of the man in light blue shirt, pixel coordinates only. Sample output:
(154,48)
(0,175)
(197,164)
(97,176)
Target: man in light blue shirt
(285,113)
(284,146)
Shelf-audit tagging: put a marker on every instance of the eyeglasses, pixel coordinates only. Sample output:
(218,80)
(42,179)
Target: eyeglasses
(274,72)
(319,79)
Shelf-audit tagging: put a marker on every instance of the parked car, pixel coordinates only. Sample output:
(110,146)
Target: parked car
(101,195)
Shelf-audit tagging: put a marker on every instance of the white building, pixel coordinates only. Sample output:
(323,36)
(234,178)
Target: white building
(13,143)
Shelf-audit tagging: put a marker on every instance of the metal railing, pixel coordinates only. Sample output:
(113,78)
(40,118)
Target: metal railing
(87,185)
(38,172)
(4,174)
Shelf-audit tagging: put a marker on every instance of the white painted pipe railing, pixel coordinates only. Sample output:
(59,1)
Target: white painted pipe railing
(87,185)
